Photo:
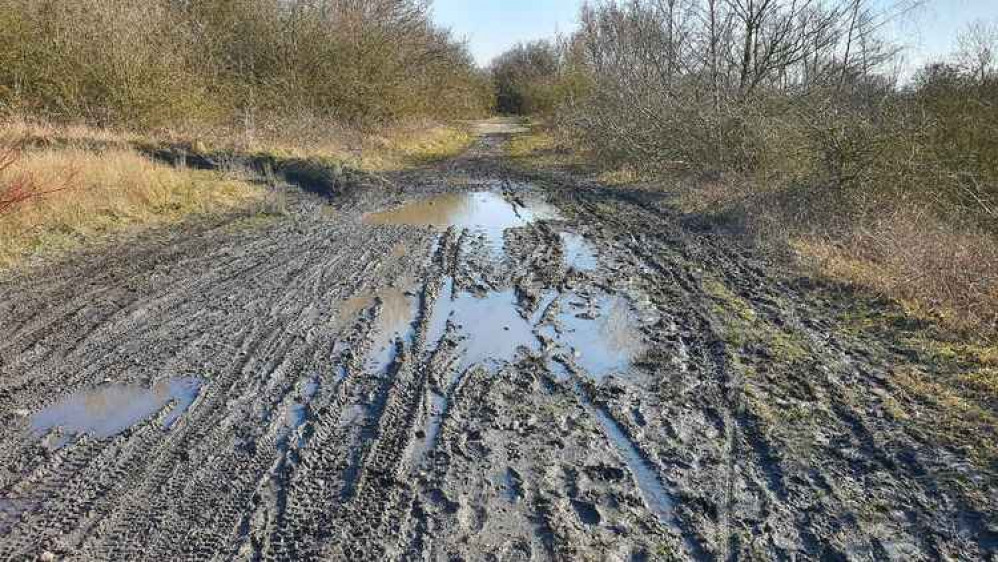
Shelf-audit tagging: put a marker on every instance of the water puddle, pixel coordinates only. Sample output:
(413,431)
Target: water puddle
(486,212)
(311,387)
(107,411)
(395,320)
(513,485)
(490,328)
(295,416)
(426,439)
(602,335)
(578,253)
(657,498)
(352,415)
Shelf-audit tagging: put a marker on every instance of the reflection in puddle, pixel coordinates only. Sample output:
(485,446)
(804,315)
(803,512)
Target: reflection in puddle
(579,254)
(601,335)
(351,307)
(395,320)
(295,416)
(427,439)
(311,387)
(482,211)
(107,411)
(657,499)
(513,485)
(395,317)
(604,340)
(352,415)
(490,328)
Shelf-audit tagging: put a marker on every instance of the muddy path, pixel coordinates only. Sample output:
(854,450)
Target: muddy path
(462,362)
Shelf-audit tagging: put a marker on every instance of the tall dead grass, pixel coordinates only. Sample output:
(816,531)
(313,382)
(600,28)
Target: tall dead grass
(936,268)
(102,192)
(381,148)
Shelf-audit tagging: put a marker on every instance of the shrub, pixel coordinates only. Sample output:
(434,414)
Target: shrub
(165,63)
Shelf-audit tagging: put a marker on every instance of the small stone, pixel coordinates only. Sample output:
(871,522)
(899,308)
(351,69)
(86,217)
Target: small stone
(47,557)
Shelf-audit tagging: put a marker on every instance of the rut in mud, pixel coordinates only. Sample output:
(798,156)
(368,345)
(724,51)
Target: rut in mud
(465,362)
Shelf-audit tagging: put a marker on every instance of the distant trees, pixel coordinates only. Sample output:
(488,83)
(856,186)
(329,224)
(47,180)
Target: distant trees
(525,78)
(156,62)
(796,90)
(978,52)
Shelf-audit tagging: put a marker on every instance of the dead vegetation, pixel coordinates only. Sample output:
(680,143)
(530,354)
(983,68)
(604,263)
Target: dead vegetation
(247,64)
(56,198)
(783,121)
(60,185)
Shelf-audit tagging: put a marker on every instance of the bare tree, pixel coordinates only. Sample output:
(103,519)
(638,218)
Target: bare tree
(978,53)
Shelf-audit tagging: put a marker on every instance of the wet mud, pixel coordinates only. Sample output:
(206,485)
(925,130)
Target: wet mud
(478,363)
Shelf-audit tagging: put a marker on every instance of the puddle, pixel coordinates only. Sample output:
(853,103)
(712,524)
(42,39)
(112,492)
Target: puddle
(603,337)
(578,253)
(490,327)
(295,416)
(486,212)
(513,485)
(297,412)
(656,497)
(351,307)
(352,415)
(395,320)
(311,387)
(560,371)
(426,439)
(587,512)
(109,410)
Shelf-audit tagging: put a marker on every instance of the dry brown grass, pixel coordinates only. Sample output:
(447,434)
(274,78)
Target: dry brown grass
(385,148)
(107,191)
(936,268)
(83,182)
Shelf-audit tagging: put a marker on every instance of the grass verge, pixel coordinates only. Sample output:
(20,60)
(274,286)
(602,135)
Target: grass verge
(75,183)
(99,193)
(382,149)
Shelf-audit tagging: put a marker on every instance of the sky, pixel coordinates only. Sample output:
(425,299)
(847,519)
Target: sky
(492,26)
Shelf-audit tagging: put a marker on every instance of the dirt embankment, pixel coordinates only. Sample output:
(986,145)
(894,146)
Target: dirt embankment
(466,361)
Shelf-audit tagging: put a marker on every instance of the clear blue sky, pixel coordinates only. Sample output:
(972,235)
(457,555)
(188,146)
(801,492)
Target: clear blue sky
(492,26)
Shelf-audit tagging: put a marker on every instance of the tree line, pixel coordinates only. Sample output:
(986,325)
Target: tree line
(795,110)
(802,89)
(160,62)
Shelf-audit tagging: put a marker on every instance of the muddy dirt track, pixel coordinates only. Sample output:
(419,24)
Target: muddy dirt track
(462,362)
